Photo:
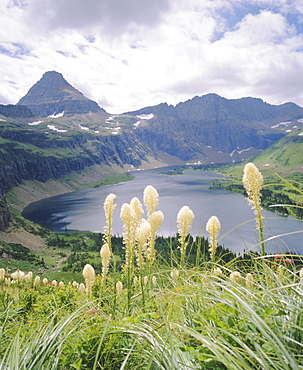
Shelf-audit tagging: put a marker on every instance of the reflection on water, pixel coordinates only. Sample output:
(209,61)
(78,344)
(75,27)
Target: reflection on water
(83,210)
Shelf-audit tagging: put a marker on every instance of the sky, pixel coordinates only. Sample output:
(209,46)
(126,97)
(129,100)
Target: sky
(129,54)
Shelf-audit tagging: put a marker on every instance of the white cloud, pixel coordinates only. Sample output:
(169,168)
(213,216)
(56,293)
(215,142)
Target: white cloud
(110,16)
(154,51)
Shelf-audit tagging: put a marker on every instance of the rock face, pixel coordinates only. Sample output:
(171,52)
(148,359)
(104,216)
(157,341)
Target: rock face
(46,158)
(15,111)
(53,95)
(5,215)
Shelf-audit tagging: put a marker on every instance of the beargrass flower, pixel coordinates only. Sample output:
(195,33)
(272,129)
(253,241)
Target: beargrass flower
(119,287)
(105,258)
(253,182)
(89,276)
(249,280)
(301,273)
(45,281)
(217,271)
(61,284)
(136,206)
(18,275)
(109,207)
(145,280)
(151,199)
(154,281)
(37,281)
(81,288)
(235,277)
(213,226)
(54,283)
(128,238)
(155,220)
(28,277)
(174,273)
(2,274)
(184,221)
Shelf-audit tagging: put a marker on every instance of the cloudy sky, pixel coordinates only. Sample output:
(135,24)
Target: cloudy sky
(128,54)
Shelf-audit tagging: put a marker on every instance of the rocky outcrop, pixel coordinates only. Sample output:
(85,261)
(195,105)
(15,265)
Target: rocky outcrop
(52,94)
(5,215)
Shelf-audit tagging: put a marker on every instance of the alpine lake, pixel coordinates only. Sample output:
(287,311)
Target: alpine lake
(83,210)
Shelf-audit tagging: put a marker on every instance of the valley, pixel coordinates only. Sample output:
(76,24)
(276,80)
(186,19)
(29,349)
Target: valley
(56,141)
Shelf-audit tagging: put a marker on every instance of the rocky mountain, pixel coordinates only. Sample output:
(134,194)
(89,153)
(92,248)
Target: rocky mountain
(190,129)
(53,95)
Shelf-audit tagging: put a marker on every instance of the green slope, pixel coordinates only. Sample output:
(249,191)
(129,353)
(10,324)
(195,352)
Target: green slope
(285,156)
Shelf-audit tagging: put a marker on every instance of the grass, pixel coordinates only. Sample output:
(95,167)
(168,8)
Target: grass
(170,315)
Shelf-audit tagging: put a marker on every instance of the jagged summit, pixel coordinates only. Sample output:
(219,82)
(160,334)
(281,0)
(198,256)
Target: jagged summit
(52,94)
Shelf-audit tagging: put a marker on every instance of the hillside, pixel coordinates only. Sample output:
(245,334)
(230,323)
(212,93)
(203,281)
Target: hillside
(285,155)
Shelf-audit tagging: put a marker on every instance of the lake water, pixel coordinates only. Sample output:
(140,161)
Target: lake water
(83,210)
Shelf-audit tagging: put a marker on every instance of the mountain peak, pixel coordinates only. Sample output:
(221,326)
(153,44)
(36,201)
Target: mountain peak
(52,94)
(53,78)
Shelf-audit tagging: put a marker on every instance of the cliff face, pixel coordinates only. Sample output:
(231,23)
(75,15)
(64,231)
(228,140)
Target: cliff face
(5,215)
(56,158)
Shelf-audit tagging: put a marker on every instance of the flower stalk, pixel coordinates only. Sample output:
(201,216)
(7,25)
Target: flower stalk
(184,221)
(253,182)
(213,226)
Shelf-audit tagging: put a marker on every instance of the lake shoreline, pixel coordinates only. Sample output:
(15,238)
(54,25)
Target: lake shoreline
(83,210)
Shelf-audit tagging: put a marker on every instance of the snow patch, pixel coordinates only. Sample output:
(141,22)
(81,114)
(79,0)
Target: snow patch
(288,130)
(146,116)
(266,164)
(137,123)
(300,120)
(58,115)
(3,120)
(54,128)
(239,151)
(286,123)
(35,123)
(301,134)
(84,128)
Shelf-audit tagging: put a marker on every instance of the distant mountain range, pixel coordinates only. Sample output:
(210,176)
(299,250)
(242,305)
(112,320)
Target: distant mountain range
(54,129)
